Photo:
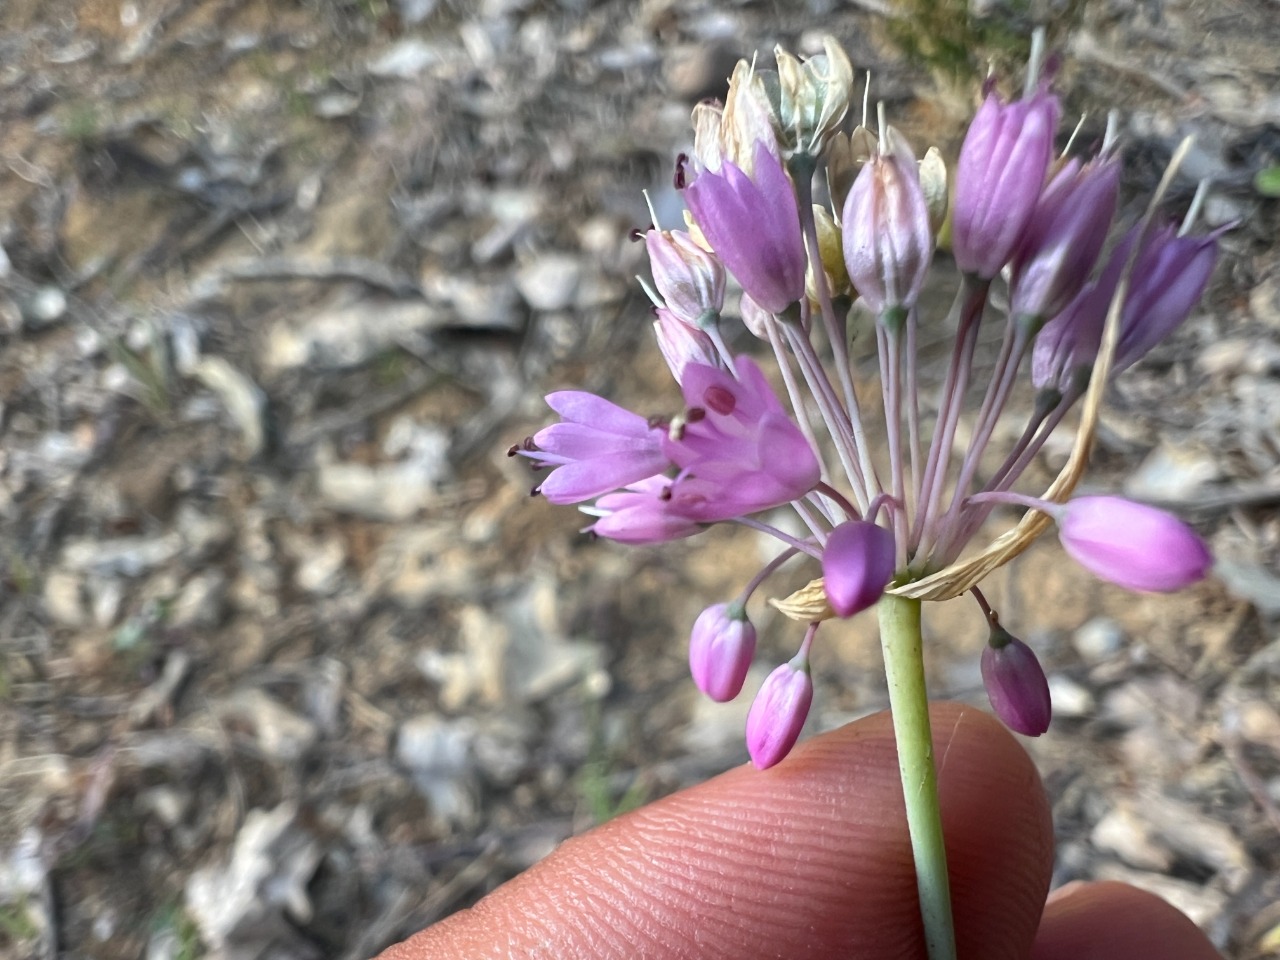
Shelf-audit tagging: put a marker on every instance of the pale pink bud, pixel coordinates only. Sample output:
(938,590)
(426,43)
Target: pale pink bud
(857,564)
(888,243)
(1016,684)
(682,343)
(689,279)
(720,650)
(778,713)
(1132,545)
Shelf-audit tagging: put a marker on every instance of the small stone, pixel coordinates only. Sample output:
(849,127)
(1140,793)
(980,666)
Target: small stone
(1069,698)
(1099,639)
(280,733)
(407,59)
(549,281)
(437,752)
(47,306)
(1170,474)
(64,601)
(1127,835)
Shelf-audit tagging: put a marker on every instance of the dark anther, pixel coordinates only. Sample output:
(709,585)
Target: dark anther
(681,160)
(636,234)
(529,444)
(694,414)
(665,495)
(656,421)
(513,450)
(535,491)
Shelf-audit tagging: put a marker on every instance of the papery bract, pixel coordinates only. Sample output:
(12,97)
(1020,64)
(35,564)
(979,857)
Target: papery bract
(857,564)
(999,176)
(778,713)
(721,646)
(753,225)
(1131,544)
(738,452)
(597,448)
(1016,684)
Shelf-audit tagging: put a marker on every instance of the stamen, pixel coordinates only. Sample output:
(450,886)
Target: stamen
(679,179)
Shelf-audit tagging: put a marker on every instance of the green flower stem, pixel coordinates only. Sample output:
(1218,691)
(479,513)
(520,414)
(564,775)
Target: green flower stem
(909,703)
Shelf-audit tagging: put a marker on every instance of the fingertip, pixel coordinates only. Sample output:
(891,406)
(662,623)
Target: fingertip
(810,858)
(1114,921)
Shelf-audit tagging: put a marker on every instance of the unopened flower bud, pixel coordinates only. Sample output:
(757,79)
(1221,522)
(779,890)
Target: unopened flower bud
(887,241)
(753,225)
(1016,684)
(720,650)
(831,249)
(1063,240)
(1169,276)
(682,343)
(857,564)
(1131,544)
(689,279)
(999,176)
(778,713)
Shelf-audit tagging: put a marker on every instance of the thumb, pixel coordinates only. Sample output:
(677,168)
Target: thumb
(808,859)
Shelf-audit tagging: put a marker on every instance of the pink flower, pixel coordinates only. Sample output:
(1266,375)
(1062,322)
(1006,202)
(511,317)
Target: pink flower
(739,452)
(857,563)
(640,514)
(778,713)
(753,225)
(1132,545)
(720,650)
(597,448)
(1016,684)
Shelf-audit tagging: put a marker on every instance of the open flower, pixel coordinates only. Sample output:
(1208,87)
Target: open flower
(753,225)
(738,452)
(597,448)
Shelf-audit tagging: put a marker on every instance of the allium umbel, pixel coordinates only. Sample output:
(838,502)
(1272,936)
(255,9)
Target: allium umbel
(898,530)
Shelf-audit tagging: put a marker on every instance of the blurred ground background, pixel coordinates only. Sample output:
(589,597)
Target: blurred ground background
(291,665)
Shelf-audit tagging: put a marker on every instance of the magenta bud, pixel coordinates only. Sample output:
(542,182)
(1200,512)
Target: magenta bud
(1132,545)
(753,224)
(1016,684)
(999,176)
(1064,238)
(690,279)
(720,650)
(885,228)
(778,713)
(857,564)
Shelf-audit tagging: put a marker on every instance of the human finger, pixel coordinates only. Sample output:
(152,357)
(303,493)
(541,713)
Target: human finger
(808,859)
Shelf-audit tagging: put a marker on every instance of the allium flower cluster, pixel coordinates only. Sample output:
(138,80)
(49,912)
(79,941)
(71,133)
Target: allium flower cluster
(731,451)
